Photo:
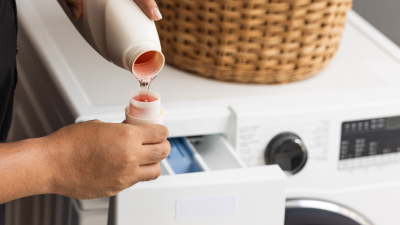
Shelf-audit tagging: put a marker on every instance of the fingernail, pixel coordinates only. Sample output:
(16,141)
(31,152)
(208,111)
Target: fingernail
(74,12)
(157,13)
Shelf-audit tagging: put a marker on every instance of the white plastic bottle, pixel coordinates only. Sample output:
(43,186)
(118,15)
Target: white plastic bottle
(122,34)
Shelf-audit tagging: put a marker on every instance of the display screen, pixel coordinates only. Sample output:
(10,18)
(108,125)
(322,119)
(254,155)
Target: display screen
(369,142)
(393,122)
(371,137)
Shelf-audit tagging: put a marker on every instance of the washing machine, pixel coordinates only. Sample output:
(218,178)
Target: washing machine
(340,147)
(316,152)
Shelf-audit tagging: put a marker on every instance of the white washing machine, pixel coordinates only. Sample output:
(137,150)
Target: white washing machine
(335,135)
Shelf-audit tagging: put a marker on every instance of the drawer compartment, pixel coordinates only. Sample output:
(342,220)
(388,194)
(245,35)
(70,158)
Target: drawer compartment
(216,152)
(207,184)
(183,158)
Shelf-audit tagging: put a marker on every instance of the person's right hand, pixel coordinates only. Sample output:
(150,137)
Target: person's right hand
(95,159)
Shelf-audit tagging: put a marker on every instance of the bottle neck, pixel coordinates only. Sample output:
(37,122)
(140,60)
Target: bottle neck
(147,61)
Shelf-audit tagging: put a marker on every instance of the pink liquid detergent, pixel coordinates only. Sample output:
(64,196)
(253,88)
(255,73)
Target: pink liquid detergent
(145,67)
(142,98)
(144,58)
(144,108)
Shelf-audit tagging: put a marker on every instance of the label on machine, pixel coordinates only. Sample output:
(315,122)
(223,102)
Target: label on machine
(187,208)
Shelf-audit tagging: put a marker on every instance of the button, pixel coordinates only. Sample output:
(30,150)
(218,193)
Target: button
(347,142)
(357,162)
(373,160)
(379,158)
(345,164)
(360,141)
(386,151)
(392,157)
(369,160)
(372,152)
(363,161)
(343,151)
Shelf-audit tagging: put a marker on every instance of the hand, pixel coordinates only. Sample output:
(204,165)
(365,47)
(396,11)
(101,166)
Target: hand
(95,159)
(148,6)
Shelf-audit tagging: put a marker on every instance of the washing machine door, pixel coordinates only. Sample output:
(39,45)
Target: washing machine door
(314,212)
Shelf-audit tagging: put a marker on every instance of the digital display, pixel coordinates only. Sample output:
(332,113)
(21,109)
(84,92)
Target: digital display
(369,142)
(393,122)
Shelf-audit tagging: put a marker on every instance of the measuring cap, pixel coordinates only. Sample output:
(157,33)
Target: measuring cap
(144,112)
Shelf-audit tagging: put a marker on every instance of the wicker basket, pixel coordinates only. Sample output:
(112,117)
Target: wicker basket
(251,41)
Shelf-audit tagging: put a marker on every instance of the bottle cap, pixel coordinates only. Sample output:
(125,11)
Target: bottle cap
(139,112)
(138,121)
(144,110)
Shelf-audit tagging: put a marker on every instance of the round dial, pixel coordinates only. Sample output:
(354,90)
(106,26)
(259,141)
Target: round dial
(288,151)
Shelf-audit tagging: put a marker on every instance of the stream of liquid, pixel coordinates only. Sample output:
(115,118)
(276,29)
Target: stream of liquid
(142,65)
(144,92)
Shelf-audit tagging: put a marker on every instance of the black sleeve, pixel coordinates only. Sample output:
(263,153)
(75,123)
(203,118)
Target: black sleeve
(2,214)
(8,73)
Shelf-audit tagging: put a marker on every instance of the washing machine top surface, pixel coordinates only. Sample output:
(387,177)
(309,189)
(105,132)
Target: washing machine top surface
(364,69)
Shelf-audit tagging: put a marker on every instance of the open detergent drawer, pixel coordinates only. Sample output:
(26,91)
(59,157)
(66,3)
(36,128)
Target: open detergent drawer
(204,182)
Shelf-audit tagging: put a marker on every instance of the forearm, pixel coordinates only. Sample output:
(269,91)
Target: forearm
(24,169)
(84,160)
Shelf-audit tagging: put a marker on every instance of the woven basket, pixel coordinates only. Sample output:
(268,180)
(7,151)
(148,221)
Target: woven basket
(251,41)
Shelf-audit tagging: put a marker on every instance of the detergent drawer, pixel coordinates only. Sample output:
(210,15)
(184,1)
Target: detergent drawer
(206,184)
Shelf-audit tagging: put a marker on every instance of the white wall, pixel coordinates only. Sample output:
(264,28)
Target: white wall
(383,14)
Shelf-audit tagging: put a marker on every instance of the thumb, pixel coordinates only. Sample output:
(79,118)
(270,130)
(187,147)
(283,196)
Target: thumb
(76,8)
(150,8)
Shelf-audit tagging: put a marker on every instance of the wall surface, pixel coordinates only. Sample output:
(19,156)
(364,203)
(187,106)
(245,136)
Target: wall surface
(383,14)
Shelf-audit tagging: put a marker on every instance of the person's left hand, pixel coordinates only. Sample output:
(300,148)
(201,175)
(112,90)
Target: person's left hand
(148,6)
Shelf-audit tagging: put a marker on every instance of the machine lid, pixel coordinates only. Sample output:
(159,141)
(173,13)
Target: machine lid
(314,212)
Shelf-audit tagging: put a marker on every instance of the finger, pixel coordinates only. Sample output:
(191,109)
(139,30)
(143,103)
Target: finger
(150,8)
(154,153)
(154,133)
(149,172)
(76,8)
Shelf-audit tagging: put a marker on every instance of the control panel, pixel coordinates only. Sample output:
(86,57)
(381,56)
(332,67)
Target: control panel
(369,142)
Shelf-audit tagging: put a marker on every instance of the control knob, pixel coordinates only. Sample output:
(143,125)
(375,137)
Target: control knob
(288,151)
